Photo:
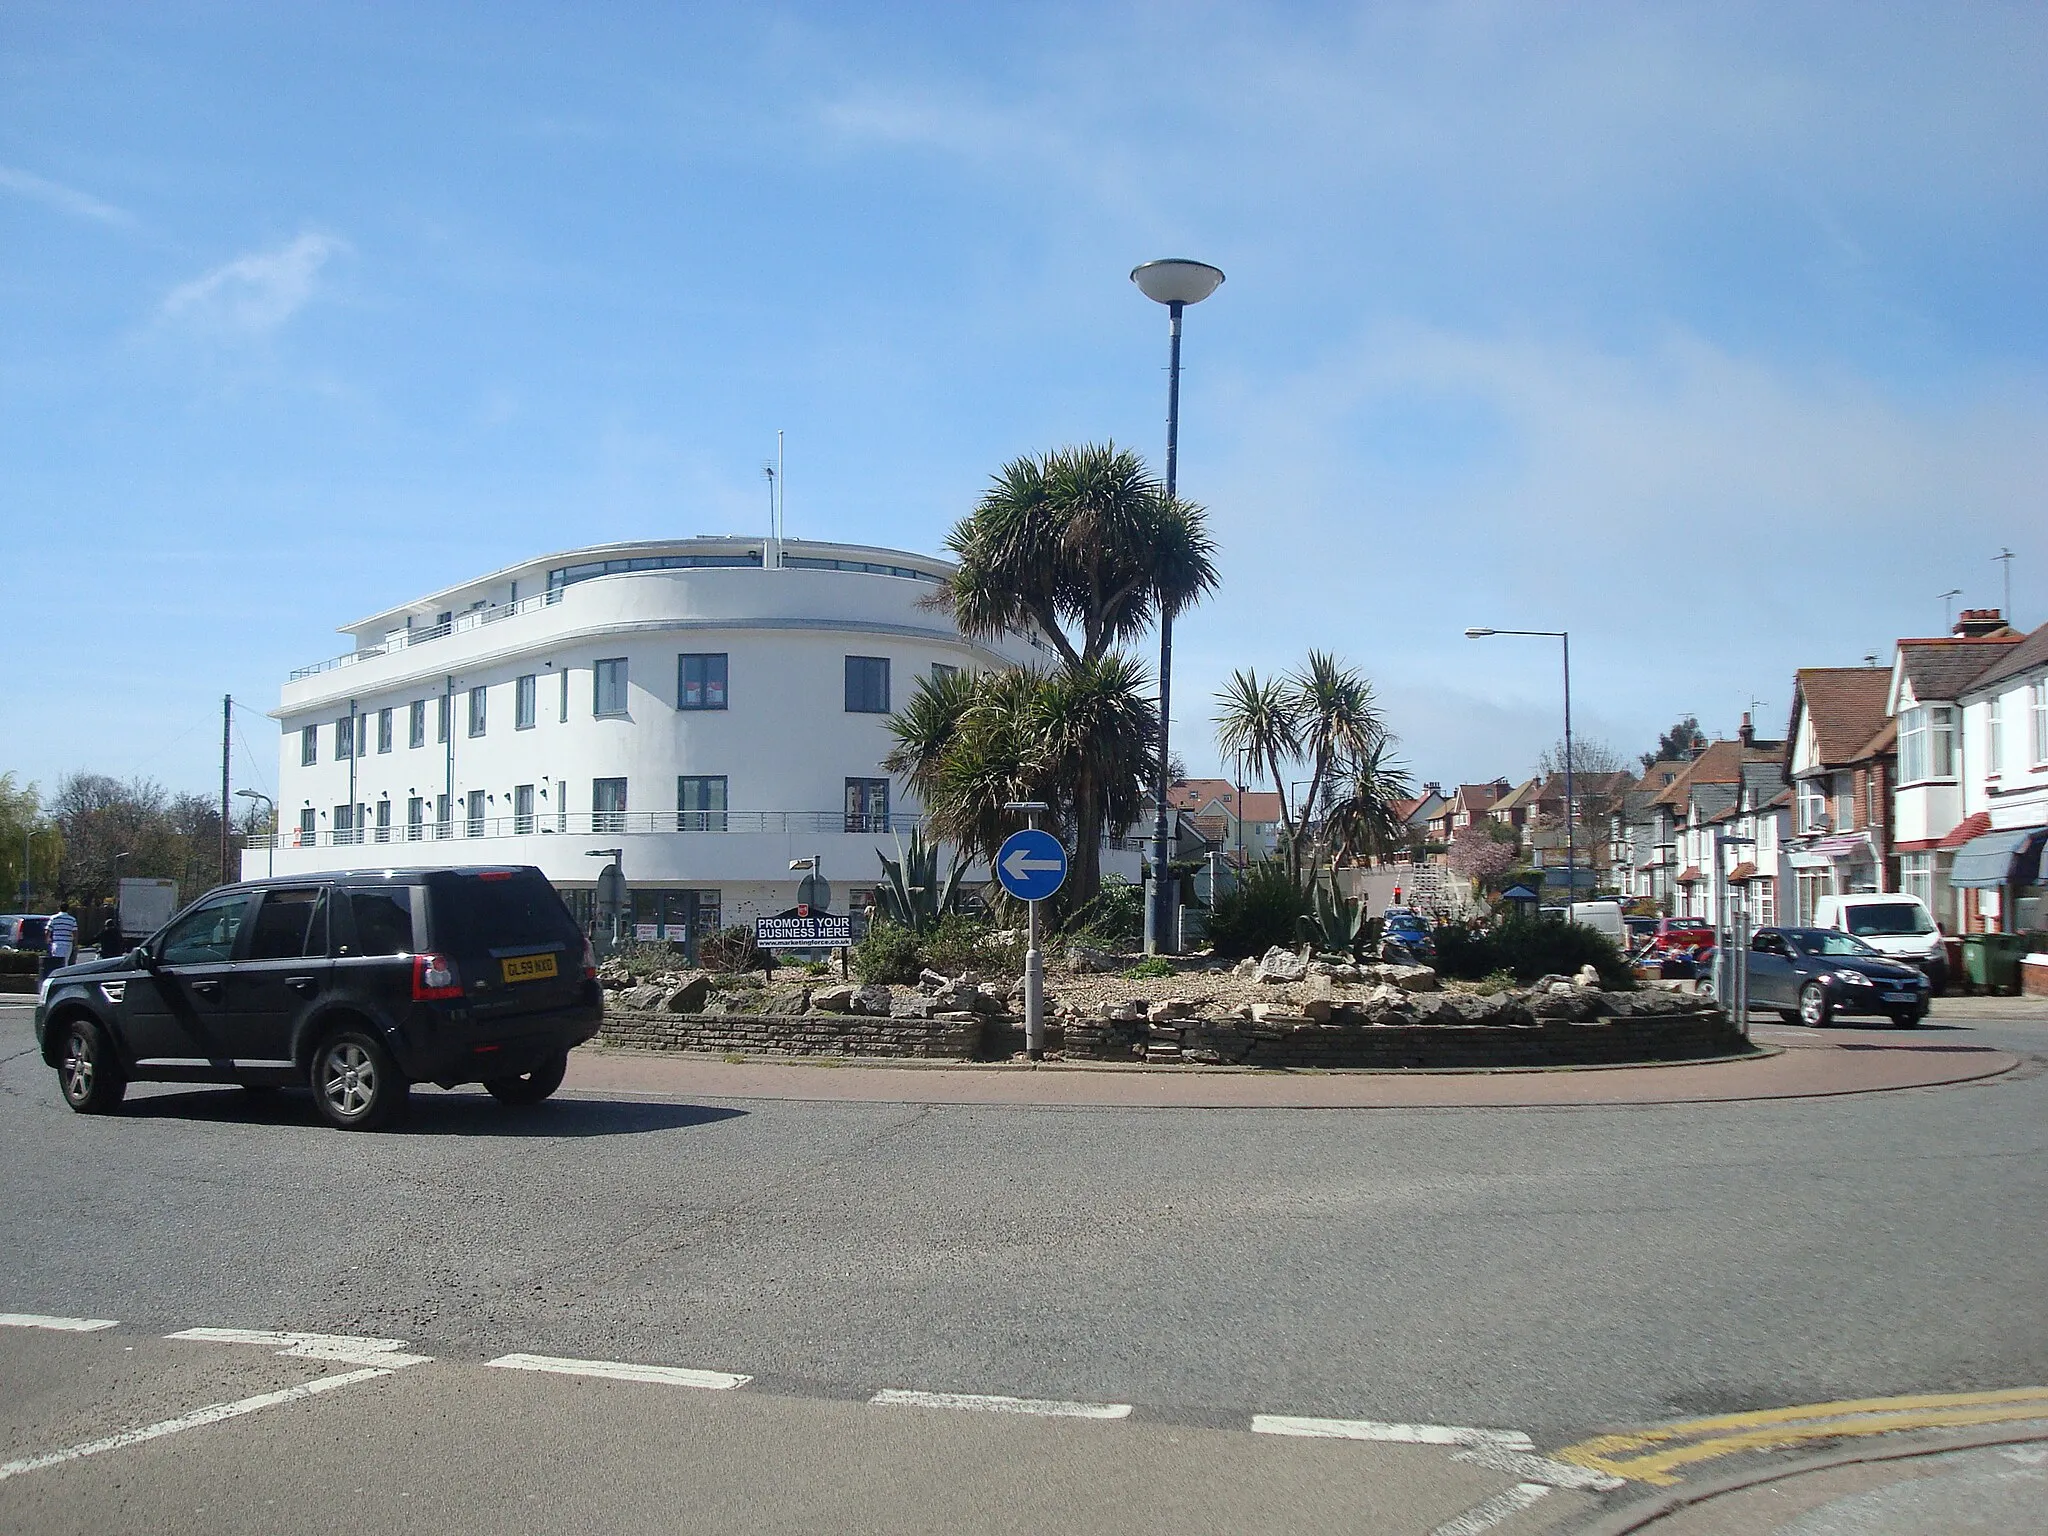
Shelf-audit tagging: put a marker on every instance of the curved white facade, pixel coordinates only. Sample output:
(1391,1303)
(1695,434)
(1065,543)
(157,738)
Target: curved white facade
(565,677)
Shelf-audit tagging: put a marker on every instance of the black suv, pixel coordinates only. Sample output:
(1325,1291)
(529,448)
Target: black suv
(356,984)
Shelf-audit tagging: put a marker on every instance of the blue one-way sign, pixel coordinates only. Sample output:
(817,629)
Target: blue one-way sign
(1031,864)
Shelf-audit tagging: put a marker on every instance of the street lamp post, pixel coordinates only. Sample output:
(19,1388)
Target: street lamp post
(1176,284)
(1571,846)
(270,864)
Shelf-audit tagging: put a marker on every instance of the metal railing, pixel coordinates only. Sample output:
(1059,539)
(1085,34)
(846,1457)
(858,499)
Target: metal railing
(604,824)
(403,639)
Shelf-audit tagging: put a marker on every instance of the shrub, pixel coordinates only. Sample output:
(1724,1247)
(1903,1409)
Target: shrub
(1530,948)
(20,962)
(733,949)
(889,954)
(1151,968)
(1114,920)
(962,945)
(1259,911)
(643,958)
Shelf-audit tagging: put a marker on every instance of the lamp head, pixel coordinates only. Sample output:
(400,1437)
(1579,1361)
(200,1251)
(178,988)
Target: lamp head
(1477,634)
(801,863)
(1176,281)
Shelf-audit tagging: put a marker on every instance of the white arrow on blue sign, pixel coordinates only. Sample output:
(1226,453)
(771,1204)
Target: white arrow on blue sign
(1031,864)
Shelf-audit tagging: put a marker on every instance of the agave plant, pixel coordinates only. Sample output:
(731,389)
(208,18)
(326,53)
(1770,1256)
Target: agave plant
(1332,923)
(912,895)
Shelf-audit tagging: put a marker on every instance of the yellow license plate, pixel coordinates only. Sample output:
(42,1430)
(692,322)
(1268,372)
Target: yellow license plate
(528,967)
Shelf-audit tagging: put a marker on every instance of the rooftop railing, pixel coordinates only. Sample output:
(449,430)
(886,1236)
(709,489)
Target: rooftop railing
(601,824)
(420,634)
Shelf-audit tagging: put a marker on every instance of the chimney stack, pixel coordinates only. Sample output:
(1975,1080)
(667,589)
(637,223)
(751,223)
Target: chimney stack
(1748,731)
(1976,623)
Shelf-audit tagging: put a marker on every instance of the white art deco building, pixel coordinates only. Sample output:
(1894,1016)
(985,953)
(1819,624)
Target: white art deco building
(714,708)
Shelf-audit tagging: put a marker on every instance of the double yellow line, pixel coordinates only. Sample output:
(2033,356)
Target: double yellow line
(1657,1455)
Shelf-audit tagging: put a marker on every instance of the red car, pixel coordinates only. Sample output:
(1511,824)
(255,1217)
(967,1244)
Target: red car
(1682,933)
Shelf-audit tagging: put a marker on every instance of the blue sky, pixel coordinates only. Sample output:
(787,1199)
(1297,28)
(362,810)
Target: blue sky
(1716,333)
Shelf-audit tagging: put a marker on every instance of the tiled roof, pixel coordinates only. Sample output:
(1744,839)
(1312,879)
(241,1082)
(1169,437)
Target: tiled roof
(1721,763)
(1474,798)
(1740,873)
(1690,875)
(1967,828)
(1885,741)
(1519,797)
(1845,707)
(1940,669)
(1199,794)
(2021,658)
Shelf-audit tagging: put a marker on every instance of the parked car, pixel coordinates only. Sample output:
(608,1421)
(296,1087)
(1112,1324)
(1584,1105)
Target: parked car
(23,930)
(1603,917)
(355,985)
(1895,924)
(1683,933)
(1812,975)
(1407,928)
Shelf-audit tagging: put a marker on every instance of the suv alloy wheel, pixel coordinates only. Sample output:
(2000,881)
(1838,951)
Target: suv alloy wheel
(355,1082)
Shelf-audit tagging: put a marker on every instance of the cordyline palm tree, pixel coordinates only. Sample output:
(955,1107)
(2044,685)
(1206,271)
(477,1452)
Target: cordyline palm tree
(1324,716)
(1082,548)
(1080,740)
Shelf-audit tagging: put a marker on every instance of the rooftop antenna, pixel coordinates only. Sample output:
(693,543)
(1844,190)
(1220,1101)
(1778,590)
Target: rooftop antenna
(1870,658)
(778,484)
(1948,608)
(2005,557)
(773,474)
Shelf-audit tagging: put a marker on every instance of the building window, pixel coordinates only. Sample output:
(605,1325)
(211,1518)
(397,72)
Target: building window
(608,686)
(344,738)
(1766,890)
(564,675)
(700,682)
(867,685)
(443,707)
(700,803)
(867,805)
(308,833)
(344,823)
(607,805)
(1916,876)
(383,833)
(309,746)
(475,827)
(1994,722)
(523,692)
(478,697)
(562,804)
(522,808)
(1927,744)
(1813,804)
(415,816)
(384,729)
(443,827)
(2037,709)
(941,672)
(416,724)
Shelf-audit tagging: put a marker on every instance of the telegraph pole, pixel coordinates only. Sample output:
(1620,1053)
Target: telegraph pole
(227,725)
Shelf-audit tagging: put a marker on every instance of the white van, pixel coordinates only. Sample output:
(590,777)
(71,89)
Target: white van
(1895,924)
(1601,917)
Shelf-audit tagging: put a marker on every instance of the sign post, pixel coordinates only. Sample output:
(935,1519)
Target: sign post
(1031,865)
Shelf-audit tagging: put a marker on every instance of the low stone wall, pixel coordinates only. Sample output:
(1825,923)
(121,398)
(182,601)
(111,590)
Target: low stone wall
(1688,1036)
(812,1034)
(1539,1043)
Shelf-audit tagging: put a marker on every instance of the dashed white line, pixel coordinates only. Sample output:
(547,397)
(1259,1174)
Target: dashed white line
(213,1413)
(1393,1434)
(58,1324)
(615,1370)
(989,1404)
(1485,1516)
(343,1348)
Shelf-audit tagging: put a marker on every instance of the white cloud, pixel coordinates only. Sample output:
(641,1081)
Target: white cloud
(254,294)
(80,205)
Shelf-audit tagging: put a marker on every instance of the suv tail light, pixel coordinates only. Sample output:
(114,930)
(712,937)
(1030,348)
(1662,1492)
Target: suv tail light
(433,976)
(589,961)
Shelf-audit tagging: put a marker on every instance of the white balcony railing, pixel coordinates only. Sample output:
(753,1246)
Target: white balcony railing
(602,824)
(402,639)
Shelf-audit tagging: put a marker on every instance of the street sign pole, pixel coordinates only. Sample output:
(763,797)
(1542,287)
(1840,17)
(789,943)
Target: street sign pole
(1031,865)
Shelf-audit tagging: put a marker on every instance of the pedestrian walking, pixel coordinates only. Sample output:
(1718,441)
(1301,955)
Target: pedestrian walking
(110,940)
(60,939)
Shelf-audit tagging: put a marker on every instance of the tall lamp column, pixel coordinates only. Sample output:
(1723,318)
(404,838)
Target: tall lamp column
(1176,284)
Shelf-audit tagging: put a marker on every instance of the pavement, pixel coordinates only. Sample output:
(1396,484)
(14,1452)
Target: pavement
(652,1307)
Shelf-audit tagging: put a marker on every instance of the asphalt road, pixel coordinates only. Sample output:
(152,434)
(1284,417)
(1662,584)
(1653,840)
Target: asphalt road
(1554,1272)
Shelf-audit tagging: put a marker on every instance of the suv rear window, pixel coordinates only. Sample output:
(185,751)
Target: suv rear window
(493,911)
(383,920)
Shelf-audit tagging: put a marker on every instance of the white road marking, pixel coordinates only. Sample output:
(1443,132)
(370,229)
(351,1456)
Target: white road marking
(343,1348)
(1537,1469)
(1395,1434)
(211,1414)
(59,1324)
(1485,1516)
(613,1370)
(989,1404)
